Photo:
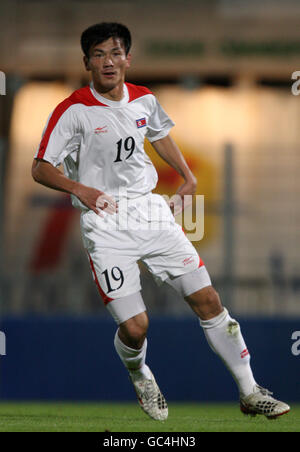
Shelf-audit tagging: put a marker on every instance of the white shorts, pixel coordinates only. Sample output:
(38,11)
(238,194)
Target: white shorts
(149,234)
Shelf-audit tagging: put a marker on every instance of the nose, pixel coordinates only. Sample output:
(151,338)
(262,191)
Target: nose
(108,61)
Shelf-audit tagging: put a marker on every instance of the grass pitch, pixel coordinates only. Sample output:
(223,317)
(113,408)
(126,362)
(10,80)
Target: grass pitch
(128,417)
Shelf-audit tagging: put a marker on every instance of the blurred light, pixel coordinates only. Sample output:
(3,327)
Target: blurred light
(190,82)
(33,104)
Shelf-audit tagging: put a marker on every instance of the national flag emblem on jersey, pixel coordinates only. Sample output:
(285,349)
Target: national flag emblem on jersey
(141,122)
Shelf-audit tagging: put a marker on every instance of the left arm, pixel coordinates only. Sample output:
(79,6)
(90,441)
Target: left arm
(170,153)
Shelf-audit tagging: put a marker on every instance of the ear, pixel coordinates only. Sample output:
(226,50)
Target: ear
(128,58)
(86,63)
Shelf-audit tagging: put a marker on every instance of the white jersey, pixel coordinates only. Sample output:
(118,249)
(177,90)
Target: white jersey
(101,142)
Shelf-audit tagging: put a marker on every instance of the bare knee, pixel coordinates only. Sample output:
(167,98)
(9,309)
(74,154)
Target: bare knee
(205,303)
(133,331)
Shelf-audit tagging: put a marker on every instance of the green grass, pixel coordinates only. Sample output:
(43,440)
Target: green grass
(128,417)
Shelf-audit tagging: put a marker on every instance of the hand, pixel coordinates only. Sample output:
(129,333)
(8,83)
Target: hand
(188,188)
(184,196)
(96,200)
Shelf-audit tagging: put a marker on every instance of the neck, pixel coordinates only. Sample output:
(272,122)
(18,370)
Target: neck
(116,93)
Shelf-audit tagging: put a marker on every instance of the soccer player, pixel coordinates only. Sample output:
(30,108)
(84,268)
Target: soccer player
(98,135)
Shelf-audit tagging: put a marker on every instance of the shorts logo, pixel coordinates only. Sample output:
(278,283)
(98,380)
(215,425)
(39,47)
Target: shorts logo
(188,260)
(244,353)
(141,123)
(101,130)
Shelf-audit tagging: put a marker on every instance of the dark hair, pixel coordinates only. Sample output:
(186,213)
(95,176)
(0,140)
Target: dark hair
(101,32)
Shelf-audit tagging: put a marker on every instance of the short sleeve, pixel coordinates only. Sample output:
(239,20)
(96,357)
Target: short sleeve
(159,123)
(61,135)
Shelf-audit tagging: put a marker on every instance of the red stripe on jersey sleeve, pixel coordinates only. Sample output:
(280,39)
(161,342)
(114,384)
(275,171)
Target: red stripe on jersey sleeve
(136,91)
(58,112)
(80,96)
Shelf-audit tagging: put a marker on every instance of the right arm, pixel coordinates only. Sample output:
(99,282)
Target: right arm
(46,174)
(59,139)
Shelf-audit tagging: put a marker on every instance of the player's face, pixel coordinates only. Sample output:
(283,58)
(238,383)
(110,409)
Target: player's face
(108,63)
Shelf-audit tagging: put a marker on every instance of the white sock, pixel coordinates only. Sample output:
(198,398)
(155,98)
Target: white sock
(133,360)
(225,338)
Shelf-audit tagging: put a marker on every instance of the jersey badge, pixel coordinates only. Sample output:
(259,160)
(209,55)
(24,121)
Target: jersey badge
(141,122)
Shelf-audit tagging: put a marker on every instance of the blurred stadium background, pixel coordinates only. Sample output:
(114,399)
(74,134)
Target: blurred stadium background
(222,70)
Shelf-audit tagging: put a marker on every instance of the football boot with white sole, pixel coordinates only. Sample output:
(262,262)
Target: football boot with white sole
(150,398)
(261,402)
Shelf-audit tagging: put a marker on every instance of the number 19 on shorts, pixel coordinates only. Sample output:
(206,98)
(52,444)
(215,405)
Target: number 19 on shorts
(114,279)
